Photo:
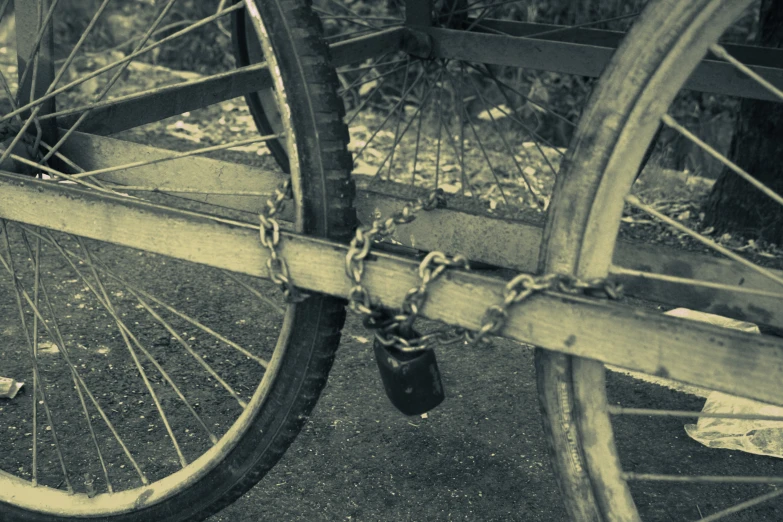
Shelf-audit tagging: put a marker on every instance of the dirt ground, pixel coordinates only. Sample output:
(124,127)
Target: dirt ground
(480,455)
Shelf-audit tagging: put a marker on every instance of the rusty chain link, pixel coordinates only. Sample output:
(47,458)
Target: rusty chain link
(399,332)
(269,230)
(524,285)
(397,329)
(359,297)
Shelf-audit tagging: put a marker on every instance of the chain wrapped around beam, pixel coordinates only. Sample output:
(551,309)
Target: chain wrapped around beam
(269,230)
(523,286)
(359,299)
(396,329)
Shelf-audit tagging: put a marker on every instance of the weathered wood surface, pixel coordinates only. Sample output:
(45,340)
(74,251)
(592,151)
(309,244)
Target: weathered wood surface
(581,51)
(27,27)
(116,115)
(217,177)
(489,239)
(747,54)
(585,59)
(698,354)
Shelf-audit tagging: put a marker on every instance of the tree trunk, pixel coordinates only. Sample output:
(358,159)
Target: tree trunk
(734,205)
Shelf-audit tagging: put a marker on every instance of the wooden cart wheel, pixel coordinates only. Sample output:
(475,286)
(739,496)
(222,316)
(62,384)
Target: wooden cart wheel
(156,389)
(593,453)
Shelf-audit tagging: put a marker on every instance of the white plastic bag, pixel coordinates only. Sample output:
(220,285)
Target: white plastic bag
(761,437)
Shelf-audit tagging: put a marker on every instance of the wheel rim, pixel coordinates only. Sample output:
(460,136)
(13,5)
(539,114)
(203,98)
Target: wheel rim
(47,498)
(581,242)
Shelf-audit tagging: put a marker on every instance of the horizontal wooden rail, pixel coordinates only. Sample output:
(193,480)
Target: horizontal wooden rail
(463,228)
(747,54)
(579,51)
(131,111)
(585,59)
(702,355)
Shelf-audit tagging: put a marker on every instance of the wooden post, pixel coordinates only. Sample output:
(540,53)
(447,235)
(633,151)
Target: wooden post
(29,16)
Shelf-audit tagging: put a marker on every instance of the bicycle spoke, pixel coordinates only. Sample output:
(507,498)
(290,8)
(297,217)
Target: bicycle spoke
(277,308)
(130,57)
(388,116)
(440,128)
(332,40)
(509,150)
(43,25)
(64,176)
(703,479)
(179,155)
(486,158)
(152,95)
(367,98)
(416,150)
(116,76)
(636,202)
(138,291)
(505,86)
(400,116)
(461,117)
(619,410)
(38,384)
(61,348)
(375,64)
(742,506)
(671,122)
(64,352)
(138,294)
(399,137)
(127,337)
(721,52)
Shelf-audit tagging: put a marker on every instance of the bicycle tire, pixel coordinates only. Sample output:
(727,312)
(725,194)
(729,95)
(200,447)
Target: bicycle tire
(620,121)
(301,369)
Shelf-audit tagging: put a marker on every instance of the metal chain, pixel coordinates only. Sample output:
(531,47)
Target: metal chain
(270,238)
(359,297)
(399,332)
(524,285)
(397,329)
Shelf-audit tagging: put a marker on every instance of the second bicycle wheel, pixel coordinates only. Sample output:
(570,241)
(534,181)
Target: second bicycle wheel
(154,389)
(424,111)
(620,440)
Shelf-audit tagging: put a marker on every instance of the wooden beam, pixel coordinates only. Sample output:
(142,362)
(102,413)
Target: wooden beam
(195,172)
(580,51)
(515,243)
(356,50)
(461,229)
(747,54)
(138,109)
(698,354)
(127,112)
(584,59)
(28,26)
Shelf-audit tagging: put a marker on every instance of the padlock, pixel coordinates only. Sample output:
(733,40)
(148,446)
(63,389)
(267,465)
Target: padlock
(411,379)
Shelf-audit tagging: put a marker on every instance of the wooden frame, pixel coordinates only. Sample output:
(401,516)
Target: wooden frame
(479,236)
(701,355)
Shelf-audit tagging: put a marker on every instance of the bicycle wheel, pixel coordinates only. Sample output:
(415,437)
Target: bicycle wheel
(157,389)
(424,113)
(611,468)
